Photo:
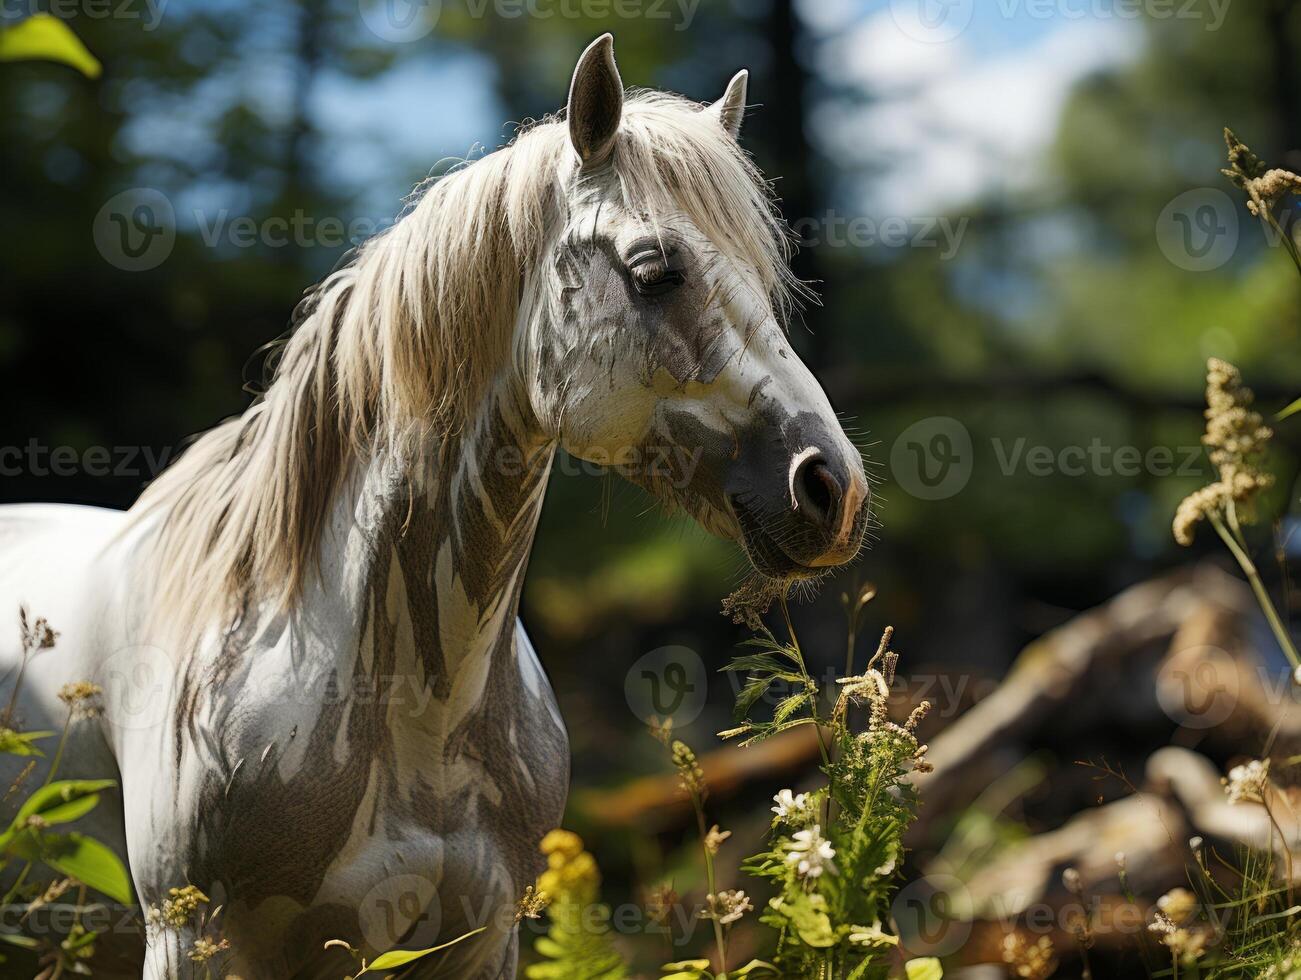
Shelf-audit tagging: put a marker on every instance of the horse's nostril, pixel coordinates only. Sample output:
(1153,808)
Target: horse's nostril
(817,491)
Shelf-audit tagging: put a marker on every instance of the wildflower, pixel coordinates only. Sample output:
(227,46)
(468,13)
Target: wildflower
(714,839)
(690,776)
(77,945)
(37,634)
(869,684)
(872,936)
(82,699)
(205,949)
(792,807)
(660,903)
(810,853)
(1235,435)
(1179,905)
(1071,881)
(1186,942)
(1032,961)
(1247,783)
(747,605)
(728,906)
(915,718)
(1264,187)
(571,871)
(178,907)
(532,904)
(1120,861)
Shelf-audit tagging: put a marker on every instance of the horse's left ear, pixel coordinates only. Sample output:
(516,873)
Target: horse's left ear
(730,109)
(595,102)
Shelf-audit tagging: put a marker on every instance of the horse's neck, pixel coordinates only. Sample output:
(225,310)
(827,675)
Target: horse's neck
(448,547)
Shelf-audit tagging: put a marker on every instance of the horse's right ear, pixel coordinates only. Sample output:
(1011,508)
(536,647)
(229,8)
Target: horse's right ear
(595,102)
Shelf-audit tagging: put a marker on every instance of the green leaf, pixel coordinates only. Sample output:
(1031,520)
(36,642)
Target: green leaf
(751,967)
(401,957)
(812,924)
(59,802)
(20,743)
(1290,410)
(19,940)
(926,968)
(789,706)
(77,856)
(45,38)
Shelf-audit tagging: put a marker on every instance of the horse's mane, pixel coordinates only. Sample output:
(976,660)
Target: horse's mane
(400,345)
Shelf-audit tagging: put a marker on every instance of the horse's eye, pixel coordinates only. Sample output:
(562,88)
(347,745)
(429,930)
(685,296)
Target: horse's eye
(655,278)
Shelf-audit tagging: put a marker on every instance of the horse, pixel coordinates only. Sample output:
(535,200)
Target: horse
(318,700)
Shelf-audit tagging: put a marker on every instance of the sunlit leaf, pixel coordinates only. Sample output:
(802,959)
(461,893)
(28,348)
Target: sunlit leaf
(59,802)
(1290,410)
(77,856)
(926,968)
(401,957)
(45,38)
(20,743)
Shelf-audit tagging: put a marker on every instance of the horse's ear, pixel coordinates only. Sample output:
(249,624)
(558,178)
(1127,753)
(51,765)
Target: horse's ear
(730,109)
(595,102)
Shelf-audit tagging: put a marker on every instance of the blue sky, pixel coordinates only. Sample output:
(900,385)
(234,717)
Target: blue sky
(963,93)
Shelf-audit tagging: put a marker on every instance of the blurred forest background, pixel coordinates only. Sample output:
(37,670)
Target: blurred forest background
(1093,259)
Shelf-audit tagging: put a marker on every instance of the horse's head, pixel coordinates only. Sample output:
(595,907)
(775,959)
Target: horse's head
(663,351)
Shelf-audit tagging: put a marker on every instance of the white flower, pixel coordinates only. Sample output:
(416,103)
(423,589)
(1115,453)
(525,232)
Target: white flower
(790,806)
(728,906)
(810,854)
(1247,783)
(872,936)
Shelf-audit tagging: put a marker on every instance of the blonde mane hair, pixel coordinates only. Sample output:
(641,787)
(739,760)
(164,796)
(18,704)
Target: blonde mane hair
(400,345)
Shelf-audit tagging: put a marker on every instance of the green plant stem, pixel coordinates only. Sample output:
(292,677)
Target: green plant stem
(1288,243)
(1262,596)
(808,682)
(58,752)
(713,889)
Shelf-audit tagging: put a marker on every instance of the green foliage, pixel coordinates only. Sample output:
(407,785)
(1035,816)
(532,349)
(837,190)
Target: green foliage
(833,852)
(43,37)
(28,840)
(577,945)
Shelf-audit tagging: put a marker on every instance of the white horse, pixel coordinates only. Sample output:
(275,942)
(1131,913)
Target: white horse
(319,702)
